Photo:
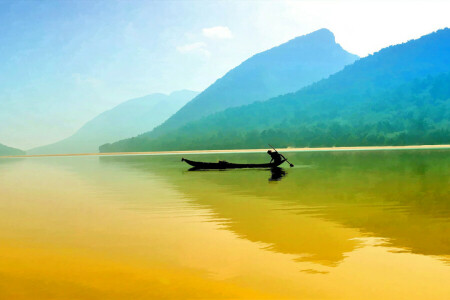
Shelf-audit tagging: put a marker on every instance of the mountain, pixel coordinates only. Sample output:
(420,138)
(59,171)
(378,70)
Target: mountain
(5,150)
(399,95)
(130,118)
(283,69)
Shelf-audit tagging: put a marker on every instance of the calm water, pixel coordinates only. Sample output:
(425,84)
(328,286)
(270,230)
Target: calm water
(339,225)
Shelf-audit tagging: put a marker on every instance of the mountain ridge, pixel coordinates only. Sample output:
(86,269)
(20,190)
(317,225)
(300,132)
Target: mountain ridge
(346,101)
(133,116)
(279,70)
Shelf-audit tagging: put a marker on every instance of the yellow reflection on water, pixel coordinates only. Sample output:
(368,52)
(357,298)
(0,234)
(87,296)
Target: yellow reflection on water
(85,228)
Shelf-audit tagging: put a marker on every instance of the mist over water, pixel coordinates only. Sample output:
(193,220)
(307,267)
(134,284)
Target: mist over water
(339,225)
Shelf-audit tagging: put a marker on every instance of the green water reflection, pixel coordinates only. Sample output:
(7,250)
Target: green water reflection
(339,225)
(402,196)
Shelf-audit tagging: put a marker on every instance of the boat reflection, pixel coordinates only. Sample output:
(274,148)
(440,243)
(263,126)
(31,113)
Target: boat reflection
(277,173)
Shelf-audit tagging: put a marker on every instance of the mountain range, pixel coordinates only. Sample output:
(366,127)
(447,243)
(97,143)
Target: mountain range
(130,118)
(280,70)
(399,95)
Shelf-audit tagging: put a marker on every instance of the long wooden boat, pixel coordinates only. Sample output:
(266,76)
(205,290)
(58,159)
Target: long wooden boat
(227,165)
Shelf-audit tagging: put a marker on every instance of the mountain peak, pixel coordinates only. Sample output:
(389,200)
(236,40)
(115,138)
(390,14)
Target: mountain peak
(366,100)
(319,36)
(324,33)
(321,40)
(283,69)
(130,118)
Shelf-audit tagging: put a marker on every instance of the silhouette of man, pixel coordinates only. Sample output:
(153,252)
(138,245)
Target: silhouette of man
(276,157)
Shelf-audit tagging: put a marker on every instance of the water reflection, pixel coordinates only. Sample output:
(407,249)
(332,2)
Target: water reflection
(319,212)
(276,174)
(144,227)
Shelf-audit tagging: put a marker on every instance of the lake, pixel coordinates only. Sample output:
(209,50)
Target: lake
(338,225)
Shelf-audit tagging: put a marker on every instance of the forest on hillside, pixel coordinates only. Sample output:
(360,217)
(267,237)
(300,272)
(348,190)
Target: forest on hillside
(412,114)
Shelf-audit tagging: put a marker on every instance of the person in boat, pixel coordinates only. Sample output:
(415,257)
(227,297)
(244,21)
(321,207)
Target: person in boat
(276,157)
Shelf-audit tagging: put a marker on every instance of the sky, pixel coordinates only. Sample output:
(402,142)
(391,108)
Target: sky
(64,62)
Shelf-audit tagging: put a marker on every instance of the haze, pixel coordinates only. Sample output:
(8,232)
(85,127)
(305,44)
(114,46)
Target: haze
(63,62)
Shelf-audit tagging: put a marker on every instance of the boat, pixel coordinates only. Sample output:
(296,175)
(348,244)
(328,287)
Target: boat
(221,165)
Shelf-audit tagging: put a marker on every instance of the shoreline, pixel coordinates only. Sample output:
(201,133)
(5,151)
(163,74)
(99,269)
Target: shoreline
(356,148)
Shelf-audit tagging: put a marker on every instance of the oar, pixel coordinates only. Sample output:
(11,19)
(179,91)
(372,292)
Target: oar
(291,165)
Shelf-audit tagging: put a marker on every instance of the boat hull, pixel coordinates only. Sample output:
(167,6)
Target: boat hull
(226,165)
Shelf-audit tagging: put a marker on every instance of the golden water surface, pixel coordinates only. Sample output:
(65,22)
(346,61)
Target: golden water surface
(339,225)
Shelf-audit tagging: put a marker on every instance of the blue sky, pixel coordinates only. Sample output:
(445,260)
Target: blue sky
(63,62)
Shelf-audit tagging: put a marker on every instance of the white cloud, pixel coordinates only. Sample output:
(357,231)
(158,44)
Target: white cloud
(217,32)
(199,48)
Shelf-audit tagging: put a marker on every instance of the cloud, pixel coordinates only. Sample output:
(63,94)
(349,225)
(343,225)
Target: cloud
(199,48)
(217,32)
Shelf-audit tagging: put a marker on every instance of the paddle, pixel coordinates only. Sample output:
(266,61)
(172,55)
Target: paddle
(291,165)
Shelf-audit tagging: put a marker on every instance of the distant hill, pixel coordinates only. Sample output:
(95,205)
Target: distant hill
(127,119)
(399,95)
(283,69)
(5,150)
